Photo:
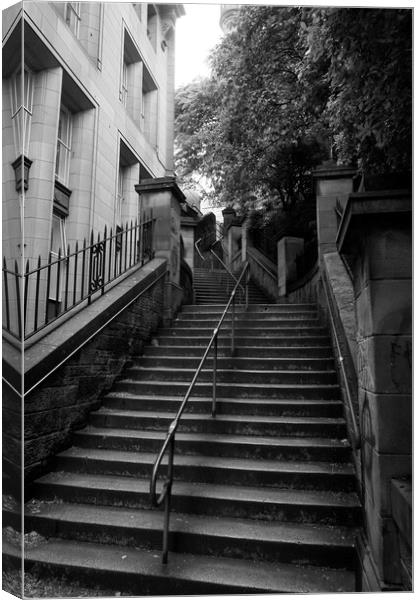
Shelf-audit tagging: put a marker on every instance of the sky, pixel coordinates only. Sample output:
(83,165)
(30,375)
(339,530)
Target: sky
(197,32)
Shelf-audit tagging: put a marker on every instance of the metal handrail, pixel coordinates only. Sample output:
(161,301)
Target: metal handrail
(219,259)
(356,441)
(260,263)
(169,443)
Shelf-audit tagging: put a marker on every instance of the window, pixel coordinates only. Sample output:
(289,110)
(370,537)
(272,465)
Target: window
(58,238)
(120,196)
(149,107)
(124,84)
(130,85)
(62,163)
(22,109)
(58,245)
(152,25)
(138,9)
(73,17)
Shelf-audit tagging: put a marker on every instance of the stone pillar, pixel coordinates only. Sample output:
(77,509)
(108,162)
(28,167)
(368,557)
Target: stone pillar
(376,238)
(229,214)
(333,184)
(42,150)
(288,249)
(163,196)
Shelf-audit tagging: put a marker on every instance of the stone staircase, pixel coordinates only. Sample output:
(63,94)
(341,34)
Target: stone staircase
(215,286)
(264,498)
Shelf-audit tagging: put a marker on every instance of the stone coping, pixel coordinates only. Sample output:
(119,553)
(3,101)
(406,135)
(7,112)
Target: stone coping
(368,204)
(161,184)
(68,337)
(332,171)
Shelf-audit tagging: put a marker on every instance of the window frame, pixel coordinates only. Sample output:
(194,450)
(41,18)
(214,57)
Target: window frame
(64,147)
(58,215)
(73,9)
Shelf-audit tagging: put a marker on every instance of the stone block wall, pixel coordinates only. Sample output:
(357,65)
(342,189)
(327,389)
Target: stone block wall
(99,341)
(376,239)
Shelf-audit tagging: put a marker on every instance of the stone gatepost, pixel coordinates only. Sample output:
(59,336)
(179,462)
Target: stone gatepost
(375,237)
(164,196)
(288,249)
(333,184)
(232,235)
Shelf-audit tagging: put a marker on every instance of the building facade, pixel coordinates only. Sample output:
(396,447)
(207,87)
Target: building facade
(88,92)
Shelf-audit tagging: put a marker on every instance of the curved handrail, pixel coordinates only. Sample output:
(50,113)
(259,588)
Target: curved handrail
(218,258)
(165,494)
(356,441)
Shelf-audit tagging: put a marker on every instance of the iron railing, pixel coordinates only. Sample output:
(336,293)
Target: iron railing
(169,443)
(50,288)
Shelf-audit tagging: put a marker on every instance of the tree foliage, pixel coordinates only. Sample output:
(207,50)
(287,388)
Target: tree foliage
(284,86)
(366,57)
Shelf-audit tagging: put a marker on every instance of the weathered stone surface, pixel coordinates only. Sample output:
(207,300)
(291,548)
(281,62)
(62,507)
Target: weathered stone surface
(385,364)
(343,293)
(390,253)
(62,403)
(384,545)
(379,469)
(385,307)
(387,421)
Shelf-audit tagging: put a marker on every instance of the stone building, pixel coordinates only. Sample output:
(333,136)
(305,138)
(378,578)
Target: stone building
(95,118)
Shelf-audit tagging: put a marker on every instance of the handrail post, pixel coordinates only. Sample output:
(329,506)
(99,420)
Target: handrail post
(232,322)
(214,375)
(167,500)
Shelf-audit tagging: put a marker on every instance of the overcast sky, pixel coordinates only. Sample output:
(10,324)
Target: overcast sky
(196,34)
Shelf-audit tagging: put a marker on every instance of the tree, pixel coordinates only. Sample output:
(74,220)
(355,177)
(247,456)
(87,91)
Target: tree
(365,58)
(249,129)
(287,85)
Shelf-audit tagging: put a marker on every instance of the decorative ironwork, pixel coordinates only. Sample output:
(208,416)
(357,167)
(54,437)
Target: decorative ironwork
(48,288)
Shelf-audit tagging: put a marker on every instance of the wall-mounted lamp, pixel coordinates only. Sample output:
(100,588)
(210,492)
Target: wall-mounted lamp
(21,167)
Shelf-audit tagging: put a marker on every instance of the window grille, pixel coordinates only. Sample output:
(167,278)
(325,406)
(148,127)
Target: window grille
(62,163)
(22,109)
(73,17)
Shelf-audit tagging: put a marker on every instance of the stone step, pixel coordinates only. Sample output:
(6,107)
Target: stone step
(247,406)
(212,469)
(224,339)
(130,570)
(155,359)
(239,538)
(264,319)
(239,446)
(247,323)
(230,390)
(284,354)
(241,330)
(307,506)
(234,424)
(259,308)
(249,375)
